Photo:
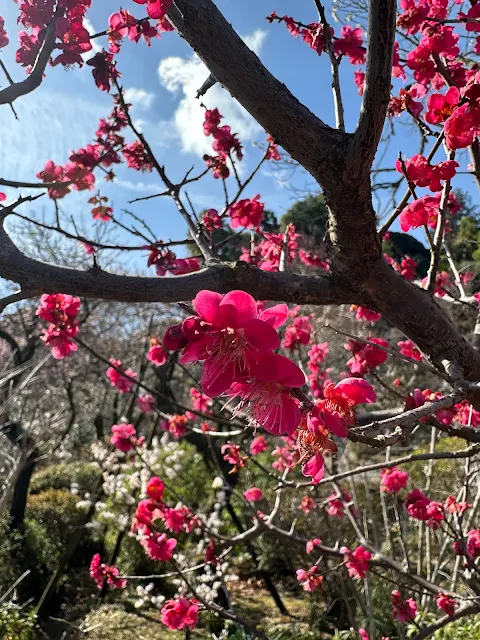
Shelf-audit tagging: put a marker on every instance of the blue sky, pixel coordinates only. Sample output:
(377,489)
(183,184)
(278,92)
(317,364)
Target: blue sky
(63,114)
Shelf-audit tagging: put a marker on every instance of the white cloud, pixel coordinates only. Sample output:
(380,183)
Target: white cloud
(44,131)
(255,40)
(139,98)
(139,186)
(95,43)
(186,75)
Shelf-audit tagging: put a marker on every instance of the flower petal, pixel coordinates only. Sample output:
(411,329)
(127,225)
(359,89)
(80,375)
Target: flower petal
(453,95)
(194,351)
(261,335)
(290,415)
(357,390)
(314,468)
(275,316)
(272,367)
(245,305)
(335,423)
(206,304)
(214,380)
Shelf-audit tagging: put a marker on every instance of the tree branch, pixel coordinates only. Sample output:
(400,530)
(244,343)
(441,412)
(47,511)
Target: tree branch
(37,277)
(426,632)
(34,80)
(304,136)
(378,80)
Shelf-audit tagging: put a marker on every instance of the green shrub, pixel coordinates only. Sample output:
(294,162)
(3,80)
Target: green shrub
(16,624)
(51,517)
(182,466)
(468,628)
(62,476)
(9,546)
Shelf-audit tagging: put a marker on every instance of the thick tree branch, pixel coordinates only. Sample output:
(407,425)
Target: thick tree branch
(37,277)
(378,80)
(419,317)
(304,136)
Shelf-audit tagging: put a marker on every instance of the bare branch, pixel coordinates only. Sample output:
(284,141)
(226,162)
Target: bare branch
(334,63)
(439,233)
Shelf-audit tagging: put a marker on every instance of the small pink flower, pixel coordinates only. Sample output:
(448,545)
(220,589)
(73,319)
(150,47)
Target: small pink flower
(422,508)
(156,354)
(416,505)
(155,489)
(177,425)
(461,128)
(350,45)
(158,546)
(366,356)
(365,314)
(232,453)
(60,341)
(247,213)
(105,574)
(403,610)
(253,495)
(317,355)
(357,562)
(258,445)
(180,613)
(407,348)
(175,519)
(123,437)
(473,543)
(452,506)
(340,402)
(314,468)
(227,334)
(307,504)
(121,382)
(312,260)
(89,248)
(145,403)
(310,580)
(393,480)
(419,213)
(359,79)
(446,603)
(267,393)
(418,170)
(298,333)
(440,107)
(336,503)
(61,312)
(211,220)
(311,544)
(200,402)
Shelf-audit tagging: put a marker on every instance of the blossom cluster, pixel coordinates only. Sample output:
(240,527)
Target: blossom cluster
(71,37)
(105,574)
(60,311)
(165,261)
(224,144)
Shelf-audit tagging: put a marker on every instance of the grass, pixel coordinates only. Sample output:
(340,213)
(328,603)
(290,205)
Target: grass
(254,604)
